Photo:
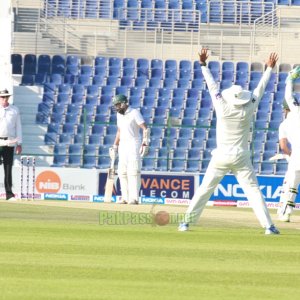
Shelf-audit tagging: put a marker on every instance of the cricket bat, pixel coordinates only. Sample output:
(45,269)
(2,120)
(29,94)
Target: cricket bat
(109,186)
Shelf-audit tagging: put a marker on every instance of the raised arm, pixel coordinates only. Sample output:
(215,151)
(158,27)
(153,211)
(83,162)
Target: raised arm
(211,83)
(260,89)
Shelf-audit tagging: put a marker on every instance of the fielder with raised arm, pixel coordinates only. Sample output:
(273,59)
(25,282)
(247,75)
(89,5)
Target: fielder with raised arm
(234,109)
(130,148)
(289,135)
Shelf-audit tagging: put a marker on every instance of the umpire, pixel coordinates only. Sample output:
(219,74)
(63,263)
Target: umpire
(10,136)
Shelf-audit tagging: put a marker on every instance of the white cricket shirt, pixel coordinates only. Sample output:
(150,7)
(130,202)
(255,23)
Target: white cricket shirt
(10,123)
(234,121)
(129,125)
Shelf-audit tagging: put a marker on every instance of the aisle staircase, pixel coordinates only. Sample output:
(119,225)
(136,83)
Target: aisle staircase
(26,98)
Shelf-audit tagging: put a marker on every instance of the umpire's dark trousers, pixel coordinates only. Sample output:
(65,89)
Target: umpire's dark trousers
(7,158)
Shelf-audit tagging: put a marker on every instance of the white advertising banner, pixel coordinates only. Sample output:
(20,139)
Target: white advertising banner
(53,183)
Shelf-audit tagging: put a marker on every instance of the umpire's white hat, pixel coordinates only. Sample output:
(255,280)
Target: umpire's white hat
(4,93)
(236,95)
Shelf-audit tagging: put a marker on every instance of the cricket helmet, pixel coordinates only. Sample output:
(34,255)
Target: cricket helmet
(120,103)
(120,99)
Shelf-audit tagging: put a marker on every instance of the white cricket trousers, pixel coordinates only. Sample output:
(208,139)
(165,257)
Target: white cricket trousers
(242,168)
(129,171)
(289,191)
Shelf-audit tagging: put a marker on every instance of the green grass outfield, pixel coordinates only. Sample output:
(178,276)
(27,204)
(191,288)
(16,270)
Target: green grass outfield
(50,252)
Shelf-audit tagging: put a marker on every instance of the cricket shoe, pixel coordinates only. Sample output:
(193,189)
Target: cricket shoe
(12,199)
(284,217)
(123,202)
(135,202)
(272,230)
(294,74)
(183,227)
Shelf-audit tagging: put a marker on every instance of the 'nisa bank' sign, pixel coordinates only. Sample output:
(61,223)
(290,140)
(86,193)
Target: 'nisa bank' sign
(229,188)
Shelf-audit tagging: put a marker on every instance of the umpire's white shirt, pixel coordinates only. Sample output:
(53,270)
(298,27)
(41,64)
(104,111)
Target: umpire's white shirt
(129,125)
(10,123)
(234,121)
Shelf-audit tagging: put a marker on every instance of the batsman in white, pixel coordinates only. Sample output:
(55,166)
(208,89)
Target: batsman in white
(10,136)
(234,109)
(289,141)
(130,148)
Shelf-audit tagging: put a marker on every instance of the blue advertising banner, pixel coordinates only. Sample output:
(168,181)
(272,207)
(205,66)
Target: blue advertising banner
(159,186)
(229,189)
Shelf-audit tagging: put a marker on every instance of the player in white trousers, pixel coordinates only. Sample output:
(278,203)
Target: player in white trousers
(235,108)
(130,148)
(289,142)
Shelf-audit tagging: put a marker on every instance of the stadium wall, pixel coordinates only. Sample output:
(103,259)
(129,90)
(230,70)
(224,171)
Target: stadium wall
(72,184)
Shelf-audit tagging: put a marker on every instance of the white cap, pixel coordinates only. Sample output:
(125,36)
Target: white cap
(236,95)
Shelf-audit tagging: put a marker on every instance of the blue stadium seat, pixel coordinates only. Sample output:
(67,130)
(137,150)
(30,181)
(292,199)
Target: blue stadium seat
(155,82)
(160,14)
(266,168)
(107,90)
(156,64)
(65,138)
(227,66)
(118,9)
(175,112)
(192,166)
(140,82)
(177,102)
(100,71)
(128,72)
(103,162)
(225,84)
(162,165)
(191,103)
(132,10)
(148,164)
(136,91)
(227,75)
(50,138)
(170,64)
(17,63)
(30,64)
(170,133)
(60,152)
(183,73)
(27,79)
(98,80)
(58,64)
(183,83)
(171,73)
(56,78)
(214,66)
(185,133)
(149,101)
(183,143)
(177,165)
(44,64)
(198,74)
(197,144)
(57,118)
(101,61)
(281,168)
(169,83)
